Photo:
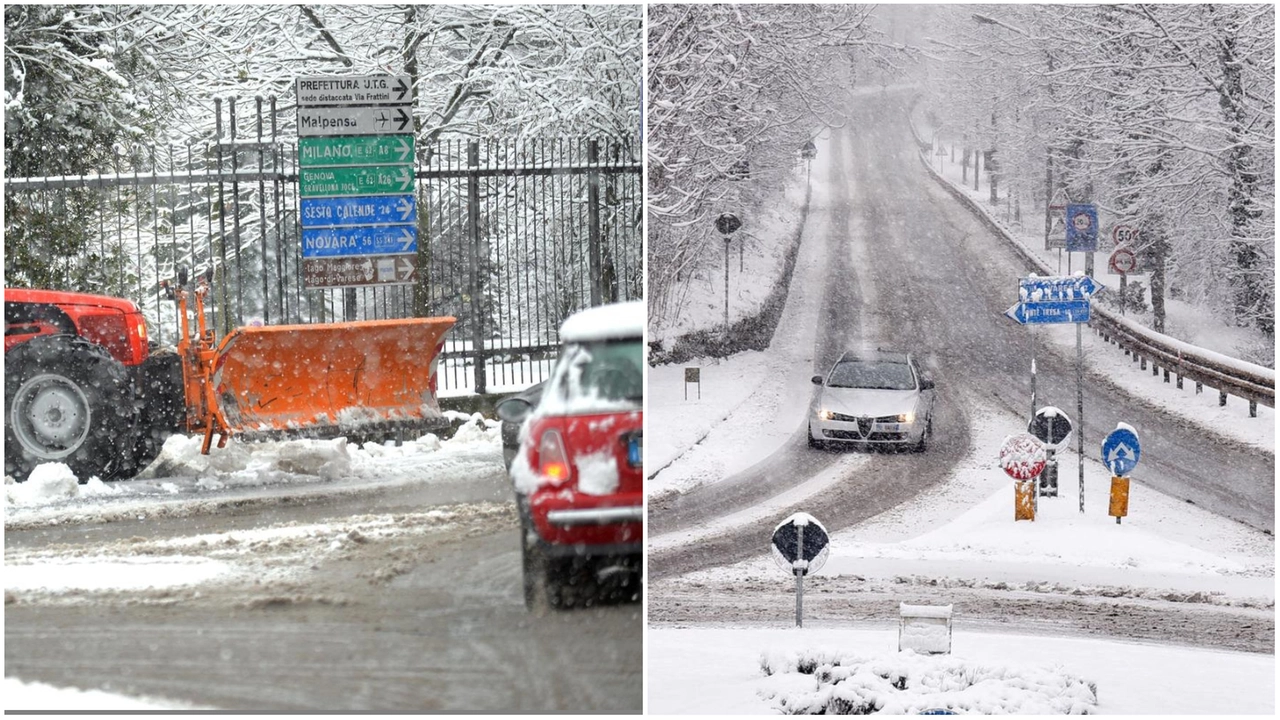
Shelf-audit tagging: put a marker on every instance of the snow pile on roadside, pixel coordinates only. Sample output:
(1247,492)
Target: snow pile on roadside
(823,682)
(19,695)
(99,574)
(52,482)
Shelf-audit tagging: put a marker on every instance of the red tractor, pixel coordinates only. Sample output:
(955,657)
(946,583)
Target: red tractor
(84,387)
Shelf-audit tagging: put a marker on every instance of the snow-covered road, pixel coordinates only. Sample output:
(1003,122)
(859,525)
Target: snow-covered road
(908,268)
(302,575)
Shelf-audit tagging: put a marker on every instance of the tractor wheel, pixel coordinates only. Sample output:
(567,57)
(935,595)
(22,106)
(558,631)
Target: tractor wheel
(66,400)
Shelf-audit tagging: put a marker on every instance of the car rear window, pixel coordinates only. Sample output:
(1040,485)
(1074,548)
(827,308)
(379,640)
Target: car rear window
(872,375)
(600,376)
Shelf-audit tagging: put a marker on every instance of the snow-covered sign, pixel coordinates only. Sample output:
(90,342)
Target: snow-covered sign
(1022,456)
(1120,450)
(924,628)
(800,543)
(1054,299)
(1051,426)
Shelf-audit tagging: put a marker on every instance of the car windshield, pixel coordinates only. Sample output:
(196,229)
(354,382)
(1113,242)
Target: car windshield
(872,375)
(603,375)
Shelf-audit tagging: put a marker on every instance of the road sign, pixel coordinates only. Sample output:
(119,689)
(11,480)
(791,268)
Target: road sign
(809,151)
(1022,456)
(1051,427)
(391,120)
(728,223)
(359,271)
(1120,450)
(368,180)
(342,242)
(1060,287)
(1056,236)
(367,150)
(794,553)
(1123,261)
(1082,228)
(352,211)
(353,90)
(1124,235)
(1064,311)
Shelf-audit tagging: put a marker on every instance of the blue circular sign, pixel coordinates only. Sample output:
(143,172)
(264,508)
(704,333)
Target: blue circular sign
(1120,451)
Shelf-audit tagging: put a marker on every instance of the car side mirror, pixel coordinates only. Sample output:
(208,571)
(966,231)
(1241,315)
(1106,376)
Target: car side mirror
(817,379)
(926,384)
(514,410)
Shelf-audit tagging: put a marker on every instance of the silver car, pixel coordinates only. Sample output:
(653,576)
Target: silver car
(873,398)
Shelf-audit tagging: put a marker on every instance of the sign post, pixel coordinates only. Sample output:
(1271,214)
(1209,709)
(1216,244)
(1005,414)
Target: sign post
(727,224)
(1082,232)
(692,375)
(1052,428)
(1123,260)
(1022,458)
(1060,300)
(358,209)
(1120,453)
(800,546)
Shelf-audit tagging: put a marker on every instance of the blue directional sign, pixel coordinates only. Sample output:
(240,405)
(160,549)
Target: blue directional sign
(351,211)
(1069,287)
(343,242)
(1120,451)
(1061,311)
(1082,228)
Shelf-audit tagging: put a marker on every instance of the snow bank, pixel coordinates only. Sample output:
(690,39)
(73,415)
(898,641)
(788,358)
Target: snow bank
(822,682)
(50,481)
(19,695)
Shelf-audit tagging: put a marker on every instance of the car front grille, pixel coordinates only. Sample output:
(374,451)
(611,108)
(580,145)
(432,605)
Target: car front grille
(841,417)
(864,437)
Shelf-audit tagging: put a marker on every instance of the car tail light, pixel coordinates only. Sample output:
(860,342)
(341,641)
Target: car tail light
(553,461)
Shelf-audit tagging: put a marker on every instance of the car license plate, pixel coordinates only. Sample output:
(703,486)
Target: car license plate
(635,450)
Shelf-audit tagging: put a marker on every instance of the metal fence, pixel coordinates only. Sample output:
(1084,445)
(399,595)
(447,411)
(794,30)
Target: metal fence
(514,235)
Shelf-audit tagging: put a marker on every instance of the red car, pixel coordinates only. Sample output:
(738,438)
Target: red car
(579,473)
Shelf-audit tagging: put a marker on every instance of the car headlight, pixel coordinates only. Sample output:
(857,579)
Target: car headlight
(907,418)
(826,414)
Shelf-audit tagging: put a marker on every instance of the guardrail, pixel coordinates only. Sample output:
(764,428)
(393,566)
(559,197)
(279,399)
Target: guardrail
(1228,375)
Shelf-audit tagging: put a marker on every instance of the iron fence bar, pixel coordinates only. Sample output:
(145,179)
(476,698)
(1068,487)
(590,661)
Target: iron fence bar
(262,219)
(222,231)
(593,210)
(280,219)
(473,219)
(235,218)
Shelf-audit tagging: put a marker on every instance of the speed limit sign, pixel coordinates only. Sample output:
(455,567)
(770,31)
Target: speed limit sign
(1124,235)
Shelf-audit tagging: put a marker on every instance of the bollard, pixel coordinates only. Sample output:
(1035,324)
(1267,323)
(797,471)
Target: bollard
(1024,498)
(1119,498)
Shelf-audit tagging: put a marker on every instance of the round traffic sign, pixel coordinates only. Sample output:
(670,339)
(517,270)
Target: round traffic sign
(728,223)
(1124,234)
(800,543)
(1123,261)
(1121,450)
(1022,456)
(1081,221)
(1051,427)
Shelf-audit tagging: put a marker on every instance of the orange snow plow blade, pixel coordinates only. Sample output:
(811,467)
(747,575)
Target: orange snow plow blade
(330,379)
